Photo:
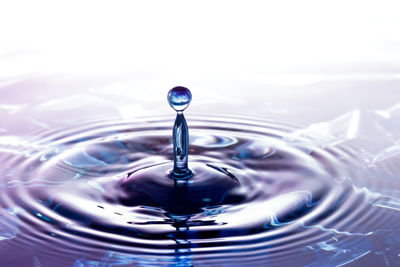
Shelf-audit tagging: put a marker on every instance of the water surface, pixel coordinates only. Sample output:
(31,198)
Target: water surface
(307,185)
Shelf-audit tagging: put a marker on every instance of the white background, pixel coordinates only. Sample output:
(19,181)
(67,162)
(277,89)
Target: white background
(197,36)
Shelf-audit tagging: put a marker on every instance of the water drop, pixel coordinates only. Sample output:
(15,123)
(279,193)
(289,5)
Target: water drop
(179,98)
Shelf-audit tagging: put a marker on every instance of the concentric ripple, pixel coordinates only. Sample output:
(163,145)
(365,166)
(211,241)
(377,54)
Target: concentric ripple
(290,199)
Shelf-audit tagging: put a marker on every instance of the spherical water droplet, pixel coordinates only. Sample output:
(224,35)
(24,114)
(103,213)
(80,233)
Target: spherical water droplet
(179,98)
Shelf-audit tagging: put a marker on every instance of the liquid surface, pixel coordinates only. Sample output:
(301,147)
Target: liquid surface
(289,194)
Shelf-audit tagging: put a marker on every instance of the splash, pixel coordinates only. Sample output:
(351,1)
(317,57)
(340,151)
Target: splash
(99,191)
(179,98)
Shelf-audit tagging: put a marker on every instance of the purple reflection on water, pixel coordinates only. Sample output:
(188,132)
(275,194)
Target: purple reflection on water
(317,164)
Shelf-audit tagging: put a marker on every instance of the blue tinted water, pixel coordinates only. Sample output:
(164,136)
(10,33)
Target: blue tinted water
(83,185)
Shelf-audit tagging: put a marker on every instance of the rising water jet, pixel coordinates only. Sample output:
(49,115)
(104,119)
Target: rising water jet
(180,190)
(179,99)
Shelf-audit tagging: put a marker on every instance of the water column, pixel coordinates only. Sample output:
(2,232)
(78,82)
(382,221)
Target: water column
(179,98)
